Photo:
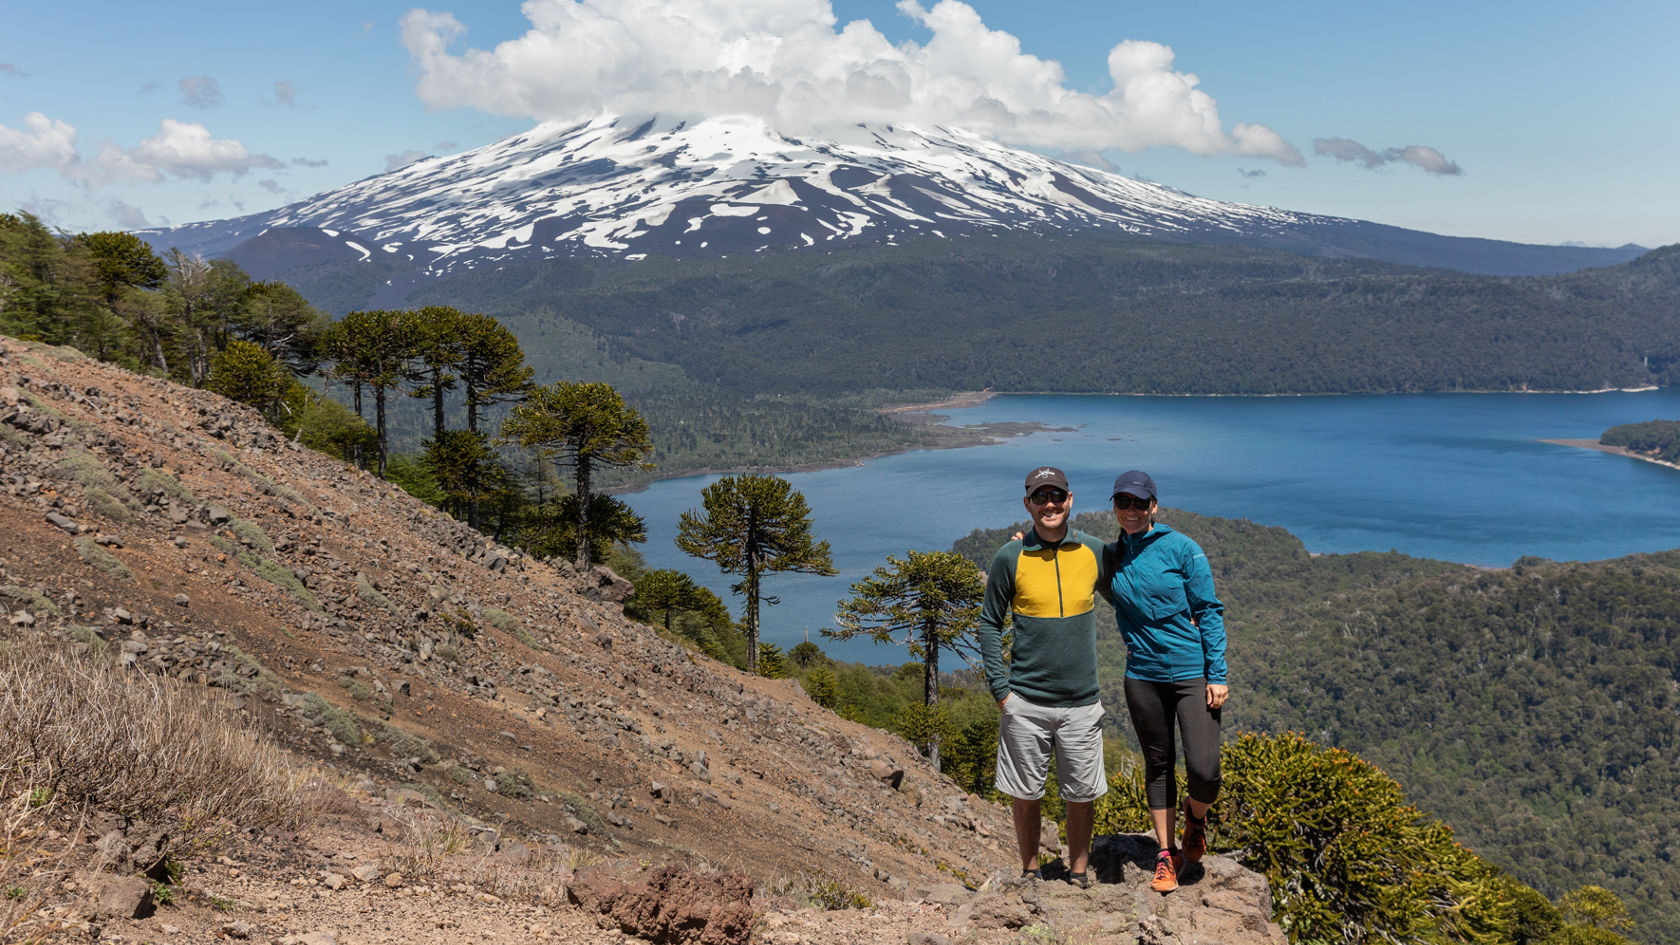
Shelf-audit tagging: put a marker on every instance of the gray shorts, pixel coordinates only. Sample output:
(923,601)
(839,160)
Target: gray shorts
(1028,732)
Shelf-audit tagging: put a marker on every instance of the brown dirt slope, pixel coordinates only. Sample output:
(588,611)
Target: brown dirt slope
(420,667)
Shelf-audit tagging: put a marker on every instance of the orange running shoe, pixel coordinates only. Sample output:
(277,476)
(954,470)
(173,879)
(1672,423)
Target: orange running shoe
(1195,837)
(1167,863)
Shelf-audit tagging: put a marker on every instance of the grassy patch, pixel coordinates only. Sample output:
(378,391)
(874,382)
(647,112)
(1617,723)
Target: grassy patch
(34,601)
(251,535)
(508,624)
(403,744)
(338,723)
(256,679)
(106,505)
(262,482)
(361,692)
(366,591)
(90,638)
(102,559)
(515,783)
(156,480)
(582,811)
(273,572)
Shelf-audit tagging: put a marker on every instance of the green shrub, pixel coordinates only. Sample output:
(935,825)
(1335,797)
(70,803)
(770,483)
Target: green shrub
(251,535)
(404,744)
(338,723)
(153,480)
(515,783)
(366,591)
(1347,859)
(102,559)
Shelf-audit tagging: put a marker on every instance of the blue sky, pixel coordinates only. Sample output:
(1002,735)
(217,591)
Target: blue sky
(1543,122)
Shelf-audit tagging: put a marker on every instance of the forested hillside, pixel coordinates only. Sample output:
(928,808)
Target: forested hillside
(1194,319)
(1536,709)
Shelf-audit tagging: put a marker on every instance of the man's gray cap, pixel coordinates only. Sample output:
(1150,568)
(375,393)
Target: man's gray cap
(1046,476)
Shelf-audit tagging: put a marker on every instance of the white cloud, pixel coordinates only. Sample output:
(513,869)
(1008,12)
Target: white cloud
(1419,155)
(791,62)
(42,143)
(128,216)
(11,69)
(285,93)
(394,161)
(179,150)
(185,149)
(201,91)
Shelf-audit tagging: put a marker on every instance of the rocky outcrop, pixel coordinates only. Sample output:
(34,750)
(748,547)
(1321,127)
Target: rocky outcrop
(669,905)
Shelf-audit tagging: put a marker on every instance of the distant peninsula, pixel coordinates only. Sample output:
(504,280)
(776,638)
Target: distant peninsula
(1654,441)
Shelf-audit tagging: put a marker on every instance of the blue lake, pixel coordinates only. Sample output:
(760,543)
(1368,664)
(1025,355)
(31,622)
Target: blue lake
(1458,477)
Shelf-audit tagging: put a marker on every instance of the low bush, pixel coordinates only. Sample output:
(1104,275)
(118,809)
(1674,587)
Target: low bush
(82,735)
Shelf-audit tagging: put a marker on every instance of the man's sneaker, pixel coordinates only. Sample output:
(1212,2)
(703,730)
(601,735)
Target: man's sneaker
(1167,863)
(1194,843)
(1082,880)
(1036,873)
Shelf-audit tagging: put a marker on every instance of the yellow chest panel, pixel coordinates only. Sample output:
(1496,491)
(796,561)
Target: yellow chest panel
(1055,582)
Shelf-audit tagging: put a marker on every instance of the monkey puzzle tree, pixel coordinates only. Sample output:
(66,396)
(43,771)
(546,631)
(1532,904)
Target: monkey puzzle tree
(491,366)
(373,348)
(929,601)
(751,525)
(583,426)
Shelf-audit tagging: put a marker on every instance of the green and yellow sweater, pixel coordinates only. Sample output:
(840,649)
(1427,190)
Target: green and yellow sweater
(1051,590)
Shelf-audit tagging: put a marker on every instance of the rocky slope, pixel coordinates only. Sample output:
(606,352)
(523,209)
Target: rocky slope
(430,675)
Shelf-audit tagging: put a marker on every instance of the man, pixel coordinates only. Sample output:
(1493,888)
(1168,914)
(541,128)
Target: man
(1047,695)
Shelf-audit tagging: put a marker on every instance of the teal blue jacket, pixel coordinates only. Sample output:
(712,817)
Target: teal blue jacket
(1051,591)
(1162,591)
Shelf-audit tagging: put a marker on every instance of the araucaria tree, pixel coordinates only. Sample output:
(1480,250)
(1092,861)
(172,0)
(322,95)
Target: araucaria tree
(751,525)
(583,426)
(929,601)
(373,349)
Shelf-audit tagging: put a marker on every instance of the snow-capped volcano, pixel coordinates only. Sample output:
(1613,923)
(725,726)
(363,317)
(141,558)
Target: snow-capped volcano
(725,185)
(615,187)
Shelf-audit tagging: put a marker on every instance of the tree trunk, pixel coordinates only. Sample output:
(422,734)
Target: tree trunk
(379,425)
(583,471)
(752,615)
(437,403)
(361,461)
(930,684)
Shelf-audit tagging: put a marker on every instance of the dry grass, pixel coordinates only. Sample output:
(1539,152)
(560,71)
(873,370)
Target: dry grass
(84,735)
(437,848)
(34,858)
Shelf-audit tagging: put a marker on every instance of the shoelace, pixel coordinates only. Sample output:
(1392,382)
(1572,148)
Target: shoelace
(1164,867)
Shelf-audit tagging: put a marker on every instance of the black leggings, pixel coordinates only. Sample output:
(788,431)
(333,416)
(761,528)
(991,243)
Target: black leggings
(1154,706)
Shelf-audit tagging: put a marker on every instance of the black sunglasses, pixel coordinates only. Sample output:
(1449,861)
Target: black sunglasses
(1124,501)
(1047,495)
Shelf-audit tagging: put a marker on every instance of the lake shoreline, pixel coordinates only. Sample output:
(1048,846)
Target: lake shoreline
(928,420)
(1613,450)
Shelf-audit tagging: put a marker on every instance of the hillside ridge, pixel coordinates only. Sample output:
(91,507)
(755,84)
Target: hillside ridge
(418,663)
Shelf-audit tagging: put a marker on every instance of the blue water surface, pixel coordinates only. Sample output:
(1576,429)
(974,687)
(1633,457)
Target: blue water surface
(1458,477)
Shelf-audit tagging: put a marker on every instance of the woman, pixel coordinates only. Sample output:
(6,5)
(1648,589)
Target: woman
(1162,591)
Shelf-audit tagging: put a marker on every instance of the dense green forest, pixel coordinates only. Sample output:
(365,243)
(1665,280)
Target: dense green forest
(1535,709)
(1658,439)
(950,314)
